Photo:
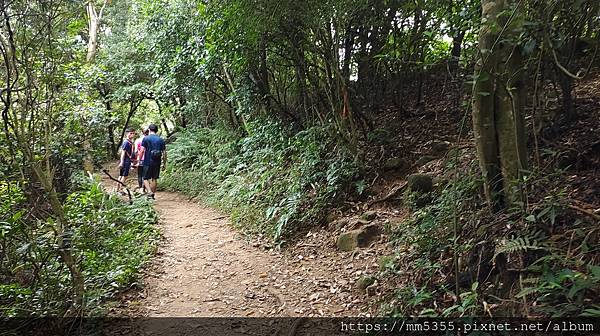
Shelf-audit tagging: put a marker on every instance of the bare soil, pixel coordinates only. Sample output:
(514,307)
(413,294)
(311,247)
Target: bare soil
(204,268)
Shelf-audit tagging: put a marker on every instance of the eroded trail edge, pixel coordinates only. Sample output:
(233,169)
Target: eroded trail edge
(204,268)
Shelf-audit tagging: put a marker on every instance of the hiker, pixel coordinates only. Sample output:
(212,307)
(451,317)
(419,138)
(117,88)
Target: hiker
(126,158)
(139,161)
(154,153)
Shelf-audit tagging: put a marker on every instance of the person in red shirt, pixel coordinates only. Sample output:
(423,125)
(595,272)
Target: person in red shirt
(139,161)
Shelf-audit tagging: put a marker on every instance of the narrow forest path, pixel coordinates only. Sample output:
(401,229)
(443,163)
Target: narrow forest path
(204,267)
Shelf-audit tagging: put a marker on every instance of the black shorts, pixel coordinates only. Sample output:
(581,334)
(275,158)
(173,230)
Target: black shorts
(151,172)
(124,171)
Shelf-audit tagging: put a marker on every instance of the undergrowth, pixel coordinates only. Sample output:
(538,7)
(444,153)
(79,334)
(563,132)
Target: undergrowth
(272,181)
(110,240)
(535,260)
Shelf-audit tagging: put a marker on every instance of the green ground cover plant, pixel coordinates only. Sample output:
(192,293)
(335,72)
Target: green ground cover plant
(271,181)
(111,240)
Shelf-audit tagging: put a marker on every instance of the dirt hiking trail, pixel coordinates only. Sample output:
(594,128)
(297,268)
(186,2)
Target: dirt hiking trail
(203,267)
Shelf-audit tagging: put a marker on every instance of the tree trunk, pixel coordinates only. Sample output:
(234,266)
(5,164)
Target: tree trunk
(455,52)
(64,249)
(94,19)
(112,147)
(498,98)
(348,44)
(264,71)
(133,106)
(93,26)
(566,87)
(240,107)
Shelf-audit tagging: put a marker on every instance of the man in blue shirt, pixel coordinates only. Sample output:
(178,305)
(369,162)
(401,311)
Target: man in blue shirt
(154,153)
(126,158)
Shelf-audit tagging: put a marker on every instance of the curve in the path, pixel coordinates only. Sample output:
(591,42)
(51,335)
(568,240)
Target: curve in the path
(203,268)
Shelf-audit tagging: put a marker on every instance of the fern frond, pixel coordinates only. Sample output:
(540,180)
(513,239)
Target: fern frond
(519,244)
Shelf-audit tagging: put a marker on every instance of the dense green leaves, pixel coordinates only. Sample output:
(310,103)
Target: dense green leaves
(110,239)
(272,182)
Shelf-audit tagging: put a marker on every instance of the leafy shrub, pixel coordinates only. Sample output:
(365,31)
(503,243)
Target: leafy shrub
(111,240)
(451,240)
(425,244)
(271,181)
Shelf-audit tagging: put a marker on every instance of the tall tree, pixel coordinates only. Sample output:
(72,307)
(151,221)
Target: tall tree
(498,102)
(32,85)
(94,20)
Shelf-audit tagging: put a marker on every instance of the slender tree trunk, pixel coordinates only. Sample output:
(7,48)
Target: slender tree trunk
(348,43)
(264,71)
(301,80)
(455,52)
(183,119)
(64,248)
(133,106)
(113,148)
(112,152)
(498,98)
(240,107)
(94,19)
(92,31)
(566,87)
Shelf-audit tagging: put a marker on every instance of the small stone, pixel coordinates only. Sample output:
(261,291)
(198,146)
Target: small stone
(369,215)
(395,163)
(420,182)
(424,159)
(439,147)
(364,281)
(362,237)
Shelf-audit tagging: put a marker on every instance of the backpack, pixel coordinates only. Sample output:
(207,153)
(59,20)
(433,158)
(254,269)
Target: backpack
(156,154)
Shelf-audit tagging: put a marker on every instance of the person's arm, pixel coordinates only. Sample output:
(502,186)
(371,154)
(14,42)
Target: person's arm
(164,165)
(122,160)
(141,152)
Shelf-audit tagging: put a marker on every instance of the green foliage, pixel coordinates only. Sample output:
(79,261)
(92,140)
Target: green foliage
(558,273)
(271,181)
(422,241)
(110,239)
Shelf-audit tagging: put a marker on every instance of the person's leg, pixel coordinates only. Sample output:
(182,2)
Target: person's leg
(147,180)
(143,188)
(147,185)
(155,180)
(120,179)
(118,184)
(124,173)
(140,171)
